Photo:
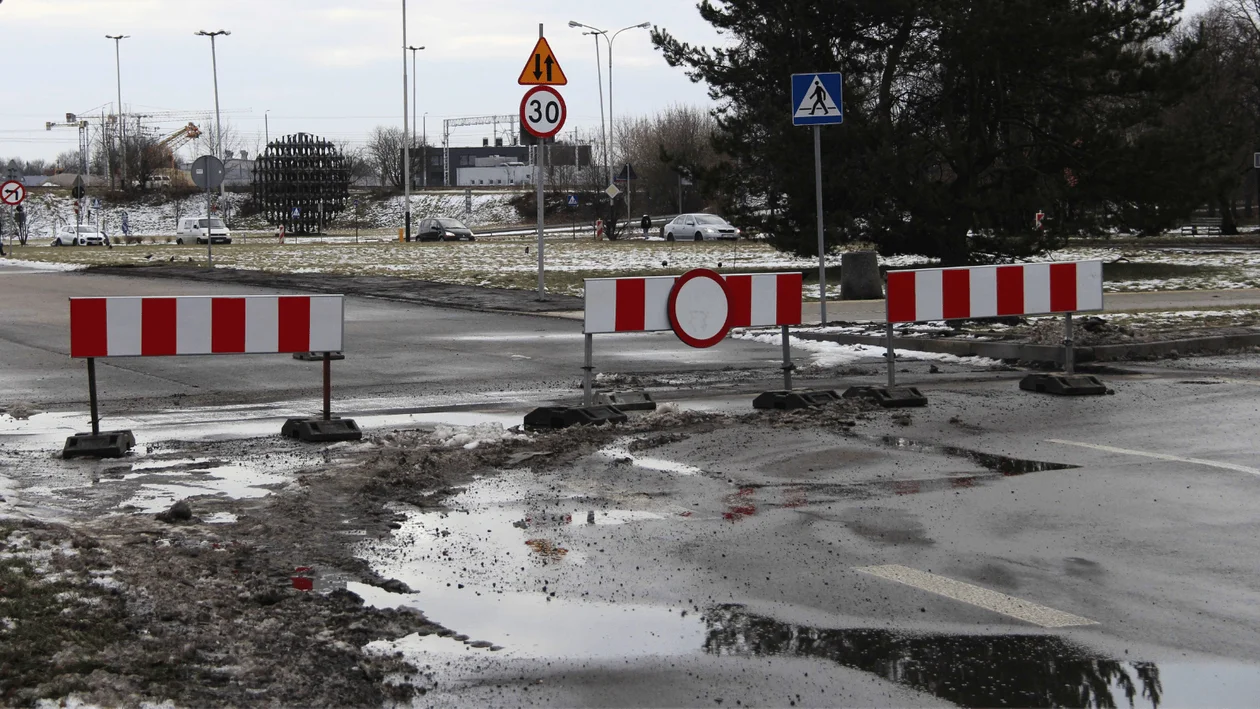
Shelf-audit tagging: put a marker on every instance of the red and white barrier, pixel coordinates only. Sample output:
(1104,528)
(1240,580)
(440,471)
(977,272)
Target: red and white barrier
(642,304)
(994,291)
(204,325)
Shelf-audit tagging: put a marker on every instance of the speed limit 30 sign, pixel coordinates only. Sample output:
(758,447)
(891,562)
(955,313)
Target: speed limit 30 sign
(543,112)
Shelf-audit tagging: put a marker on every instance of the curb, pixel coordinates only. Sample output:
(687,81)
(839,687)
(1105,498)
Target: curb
(1049,353)
(401,290)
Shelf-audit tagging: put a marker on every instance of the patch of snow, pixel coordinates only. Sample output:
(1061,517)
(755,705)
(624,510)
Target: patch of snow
(472,437)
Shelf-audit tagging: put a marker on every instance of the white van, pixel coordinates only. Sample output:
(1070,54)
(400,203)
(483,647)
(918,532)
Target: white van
(196,228)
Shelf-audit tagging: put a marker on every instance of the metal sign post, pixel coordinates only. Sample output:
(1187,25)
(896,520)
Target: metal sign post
(542,114)
(207,173)
(818,100)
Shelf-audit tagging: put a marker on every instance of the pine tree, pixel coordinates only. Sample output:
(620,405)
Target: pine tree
(963,118)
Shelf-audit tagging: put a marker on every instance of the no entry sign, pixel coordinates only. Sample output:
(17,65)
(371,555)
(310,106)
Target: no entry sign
(543,112)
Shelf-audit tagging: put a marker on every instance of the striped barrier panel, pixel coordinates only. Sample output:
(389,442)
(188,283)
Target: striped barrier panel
(642,304)
(205,325)
(994,291)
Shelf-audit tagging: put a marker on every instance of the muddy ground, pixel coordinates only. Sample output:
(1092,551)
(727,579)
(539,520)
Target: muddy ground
(126,609)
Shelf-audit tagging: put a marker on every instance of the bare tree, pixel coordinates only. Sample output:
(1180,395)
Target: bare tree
(384,150)
(665,149)
(207,142)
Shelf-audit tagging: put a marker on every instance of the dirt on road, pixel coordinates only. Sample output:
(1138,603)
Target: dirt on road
(126,609)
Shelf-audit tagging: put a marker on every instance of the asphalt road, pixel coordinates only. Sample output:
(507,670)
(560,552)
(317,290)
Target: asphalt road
(415,354)
(997,548)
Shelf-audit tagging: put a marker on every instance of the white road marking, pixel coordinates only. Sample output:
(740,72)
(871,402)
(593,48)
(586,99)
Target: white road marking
(1158,456)
(977,596)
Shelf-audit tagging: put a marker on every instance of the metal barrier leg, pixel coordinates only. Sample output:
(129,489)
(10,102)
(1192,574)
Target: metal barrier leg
(587,372)
(787,361)
(96,420)
(892,362)
(1069,364)
(328,386)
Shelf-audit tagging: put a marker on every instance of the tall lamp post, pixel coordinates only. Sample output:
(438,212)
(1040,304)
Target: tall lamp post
(218,125)
(610,39)
(406,142)
(424,157)
(122,124)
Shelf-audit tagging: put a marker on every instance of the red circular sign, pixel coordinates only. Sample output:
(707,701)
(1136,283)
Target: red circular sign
(699,308)
(12,193)
(543,112)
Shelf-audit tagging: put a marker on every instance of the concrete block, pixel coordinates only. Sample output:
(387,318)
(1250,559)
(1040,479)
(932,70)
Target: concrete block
(108,444)
(317,430)
(637,400)
(796,399)
(889,398)
(566,416)
(317,356)
(859,276)
(1063,385)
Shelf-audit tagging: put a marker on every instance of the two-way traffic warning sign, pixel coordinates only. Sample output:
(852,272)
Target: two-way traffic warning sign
(12,193)
(542,68)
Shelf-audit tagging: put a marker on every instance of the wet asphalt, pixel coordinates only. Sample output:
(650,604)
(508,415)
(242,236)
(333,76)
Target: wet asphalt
(1108,545)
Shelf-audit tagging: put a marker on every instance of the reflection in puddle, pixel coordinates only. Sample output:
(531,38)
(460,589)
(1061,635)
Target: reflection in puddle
(987,670)
(1004,465)
(619,452)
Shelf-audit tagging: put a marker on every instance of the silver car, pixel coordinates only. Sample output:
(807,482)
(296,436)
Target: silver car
(699,227)
(83,235)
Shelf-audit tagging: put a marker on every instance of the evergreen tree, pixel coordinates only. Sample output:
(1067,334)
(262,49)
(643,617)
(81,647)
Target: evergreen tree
(962,117)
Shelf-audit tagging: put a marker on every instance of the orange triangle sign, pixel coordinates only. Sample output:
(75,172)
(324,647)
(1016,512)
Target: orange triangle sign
(542,68)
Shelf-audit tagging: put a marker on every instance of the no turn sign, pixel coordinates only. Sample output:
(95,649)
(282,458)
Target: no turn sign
(543,112)
(12,193)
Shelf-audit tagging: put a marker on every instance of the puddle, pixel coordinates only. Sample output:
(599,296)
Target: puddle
(220,518)
(237,482)
(619,452)
(989,671)
(486,570)
(994,462)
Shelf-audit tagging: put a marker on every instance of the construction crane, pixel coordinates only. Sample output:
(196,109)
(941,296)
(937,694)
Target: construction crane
(73,121)
(450,123)
(179,139)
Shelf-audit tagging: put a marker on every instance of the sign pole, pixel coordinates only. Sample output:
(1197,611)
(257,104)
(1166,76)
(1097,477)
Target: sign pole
(787,361)
(587,371)
(209,241)
(1069,363)
(822,250)
(892,359)
(540,154)
(328,386)
(96,421)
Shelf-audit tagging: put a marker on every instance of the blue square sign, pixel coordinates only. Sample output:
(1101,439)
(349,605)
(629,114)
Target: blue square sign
(817,99)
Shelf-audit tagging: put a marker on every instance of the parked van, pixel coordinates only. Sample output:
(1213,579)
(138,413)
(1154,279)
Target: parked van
(196,228)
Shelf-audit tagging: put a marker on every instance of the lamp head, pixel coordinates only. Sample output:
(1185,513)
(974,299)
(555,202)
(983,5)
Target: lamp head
(645,25)
(575,24)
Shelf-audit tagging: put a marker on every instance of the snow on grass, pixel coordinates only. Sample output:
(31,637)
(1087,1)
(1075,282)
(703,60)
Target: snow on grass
(833,354)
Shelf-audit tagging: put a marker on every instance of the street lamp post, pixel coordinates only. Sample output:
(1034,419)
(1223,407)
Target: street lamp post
(267,127)
(406,142)
(611,124)
(599,75)
(122,124)
(218,125)
(424,150)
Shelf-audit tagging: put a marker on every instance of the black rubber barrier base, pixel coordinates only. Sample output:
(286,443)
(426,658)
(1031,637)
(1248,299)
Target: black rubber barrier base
(637,400)
(316,356)
(109,444)
(795,399)
(565,416)
(317,430)
(1063,384)
(894,398)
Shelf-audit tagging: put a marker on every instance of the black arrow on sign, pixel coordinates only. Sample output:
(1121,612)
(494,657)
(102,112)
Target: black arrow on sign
(549,62)
(538,67)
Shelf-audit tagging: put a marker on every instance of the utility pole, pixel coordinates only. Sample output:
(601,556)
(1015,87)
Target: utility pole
(122,124)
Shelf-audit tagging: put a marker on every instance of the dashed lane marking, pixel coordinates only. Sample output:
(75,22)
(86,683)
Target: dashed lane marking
(1158,456)
(1026,611)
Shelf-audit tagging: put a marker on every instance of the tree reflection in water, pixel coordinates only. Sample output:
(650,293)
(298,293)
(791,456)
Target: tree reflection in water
(969,670)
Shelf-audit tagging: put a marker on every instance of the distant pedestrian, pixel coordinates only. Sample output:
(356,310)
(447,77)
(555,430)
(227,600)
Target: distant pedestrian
(646,224)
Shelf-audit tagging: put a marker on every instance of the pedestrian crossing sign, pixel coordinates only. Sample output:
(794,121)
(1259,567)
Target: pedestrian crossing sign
(817,99)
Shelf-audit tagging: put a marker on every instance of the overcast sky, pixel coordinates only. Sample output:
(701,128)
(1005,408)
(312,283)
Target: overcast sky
(328,67)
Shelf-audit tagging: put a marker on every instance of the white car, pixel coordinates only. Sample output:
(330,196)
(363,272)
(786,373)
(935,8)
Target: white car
(83,235)
(699,227)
